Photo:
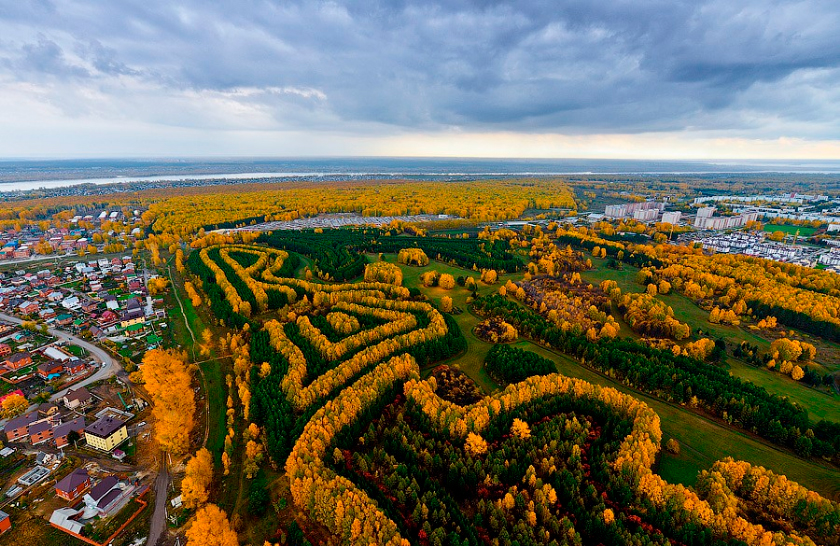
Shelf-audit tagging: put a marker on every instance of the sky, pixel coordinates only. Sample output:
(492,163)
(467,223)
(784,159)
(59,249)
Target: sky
(671,79)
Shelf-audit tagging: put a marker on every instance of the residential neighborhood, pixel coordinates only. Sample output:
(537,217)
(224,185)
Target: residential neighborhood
(63,416)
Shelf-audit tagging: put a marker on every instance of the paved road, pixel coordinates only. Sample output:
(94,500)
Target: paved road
(158,524)
(110,368)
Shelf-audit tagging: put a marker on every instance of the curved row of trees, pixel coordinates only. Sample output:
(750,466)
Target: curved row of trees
(679,378)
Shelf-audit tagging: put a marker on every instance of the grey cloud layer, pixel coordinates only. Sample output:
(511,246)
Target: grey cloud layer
(573,66)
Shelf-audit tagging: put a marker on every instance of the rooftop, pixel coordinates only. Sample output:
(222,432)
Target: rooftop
(78,394)
(73,480)
(105,427)
(103,487)
(22,421)
(64,429)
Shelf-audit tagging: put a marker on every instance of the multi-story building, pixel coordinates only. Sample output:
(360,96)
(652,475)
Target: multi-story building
(106,433)
(646,215)
(629,209)
(722,222)
(672,218)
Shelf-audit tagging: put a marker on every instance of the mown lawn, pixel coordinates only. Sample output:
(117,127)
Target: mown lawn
(625,277)
(804,231)
(211,375)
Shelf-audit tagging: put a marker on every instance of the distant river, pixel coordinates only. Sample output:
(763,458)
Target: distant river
(22,175)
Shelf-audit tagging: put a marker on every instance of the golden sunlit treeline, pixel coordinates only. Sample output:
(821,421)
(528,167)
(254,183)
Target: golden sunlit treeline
(333,500)
(349,512)
(382,341)
(484,200)
(797,296)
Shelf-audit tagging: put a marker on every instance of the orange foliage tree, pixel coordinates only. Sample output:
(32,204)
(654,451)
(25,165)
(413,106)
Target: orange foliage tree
(168,380)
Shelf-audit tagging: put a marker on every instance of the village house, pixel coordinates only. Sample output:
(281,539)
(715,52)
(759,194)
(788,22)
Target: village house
(70,303)
(106,433)
(55,296)
(108,317)
(40,432)
(28,308)
(77,398)
(18,361)
(132,318)
(17,429)
(105,493)
(47,409)
(73,485)
(61,433)
(64,319)
(73,367)
(50,370)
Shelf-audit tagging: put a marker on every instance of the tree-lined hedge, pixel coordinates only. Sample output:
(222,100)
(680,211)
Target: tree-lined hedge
(507,364)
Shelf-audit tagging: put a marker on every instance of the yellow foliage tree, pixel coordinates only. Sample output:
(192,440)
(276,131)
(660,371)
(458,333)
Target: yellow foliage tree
(475,444)
(157,285)
(196,483)
(520,429)
(412,256)
(210,527)
(788,349)
(383,272)
(14,405)
(168,380)
(446,281)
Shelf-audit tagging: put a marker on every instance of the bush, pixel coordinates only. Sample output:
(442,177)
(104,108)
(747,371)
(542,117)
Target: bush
(507,364)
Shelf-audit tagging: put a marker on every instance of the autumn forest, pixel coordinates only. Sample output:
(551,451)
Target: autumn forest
(504,372)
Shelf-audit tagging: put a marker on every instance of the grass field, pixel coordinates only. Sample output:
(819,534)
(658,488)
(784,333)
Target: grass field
(820,404)
(472,361)
(703,440)
(625,278)
(804,231)
(211,375)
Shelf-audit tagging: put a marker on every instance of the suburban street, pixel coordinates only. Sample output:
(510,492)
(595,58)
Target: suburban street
(110,368)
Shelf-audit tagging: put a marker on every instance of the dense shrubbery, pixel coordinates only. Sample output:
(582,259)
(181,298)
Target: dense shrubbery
(507,364)
(456,386)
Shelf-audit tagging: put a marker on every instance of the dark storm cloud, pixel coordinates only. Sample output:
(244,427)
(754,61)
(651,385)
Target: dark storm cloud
(573,66)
